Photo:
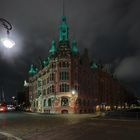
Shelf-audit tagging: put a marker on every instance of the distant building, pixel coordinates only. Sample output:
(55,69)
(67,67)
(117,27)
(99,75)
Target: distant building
(23,97)
(70,83)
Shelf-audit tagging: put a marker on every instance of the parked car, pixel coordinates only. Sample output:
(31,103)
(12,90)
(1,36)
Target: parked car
(3,107)
(10,108)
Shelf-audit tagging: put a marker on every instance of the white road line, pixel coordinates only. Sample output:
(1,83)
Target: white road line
(9,135)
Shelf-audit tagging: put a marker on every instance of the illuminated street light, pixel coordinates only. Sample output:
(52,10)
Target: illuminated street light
(8,43)
(73,92)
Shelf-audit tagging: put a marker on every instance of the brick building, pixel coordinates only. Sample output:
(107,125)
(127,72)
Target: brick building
(70,83)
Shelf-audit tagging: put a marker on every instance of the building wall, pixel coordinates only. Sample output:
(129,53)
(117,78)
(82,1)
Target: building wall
(85,89)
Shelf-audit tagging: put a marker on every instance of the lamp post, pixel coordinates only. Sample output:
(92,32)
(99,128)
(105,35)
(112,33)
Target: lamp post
(8,43)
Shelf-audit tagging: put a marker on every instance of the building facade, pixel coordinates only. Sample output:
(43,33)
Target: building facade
(70,83)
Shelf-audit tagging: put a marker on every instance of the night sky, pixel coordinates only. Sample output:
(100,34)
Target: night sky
(110,29)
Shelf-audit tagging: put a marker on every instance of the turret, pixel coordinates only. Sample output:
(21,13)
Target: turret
(74,48)
(32,70)
(63,30)
(53,48)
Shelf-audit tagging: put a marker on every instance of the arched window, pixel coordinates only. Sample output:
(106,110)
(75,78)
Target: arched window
(64,101)
(49,102)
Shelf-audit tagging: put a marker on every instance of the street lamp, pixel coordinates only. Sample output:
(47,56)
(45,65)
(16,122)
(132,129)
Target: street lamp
(8,43)
(73,92)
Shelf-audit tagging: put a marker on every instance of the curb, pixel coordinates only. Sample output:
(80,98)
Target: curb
(7,136)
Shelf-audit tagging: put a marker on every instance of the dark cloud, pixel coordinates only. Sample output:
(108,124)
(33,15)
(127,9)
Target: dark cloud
(108,28)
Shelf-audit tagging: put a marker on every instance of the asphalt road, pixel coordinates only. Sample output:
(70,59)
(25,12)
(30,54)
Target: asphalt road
(33,126)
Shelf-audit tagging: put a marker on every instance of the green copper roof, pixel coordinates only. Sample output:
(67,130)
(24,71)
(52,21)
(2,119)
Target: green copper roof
(33,70)
(74,48)
(94,65)
(63,30)
(46,62)
(53,48)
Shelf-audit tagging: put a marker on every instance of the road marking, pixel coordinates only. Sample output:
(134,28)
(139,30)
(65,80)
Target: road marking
(9,135)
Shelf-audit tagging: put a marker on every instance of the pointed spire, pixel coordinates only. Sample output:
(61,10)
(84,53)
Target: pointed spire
(46,62)
(63,28)
(32,70)
(63,8)
(93,65)
(53,48)
(74,48)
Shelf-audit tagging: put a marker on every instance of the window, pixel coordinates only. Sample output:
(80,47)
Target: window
(64,101)
(44,82)
(36,103)
(64,64)
(44,102)
(52,77)
(47,80)
(79,102)
(64,88)
(38,93)
(49,102)
(76,87)
(64,75)
(53,65)
(44,92)
(39,83)
(51,89)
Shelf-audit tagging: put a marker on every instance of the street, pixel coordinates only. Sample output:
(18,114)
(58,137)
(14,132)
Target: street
(33,126)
